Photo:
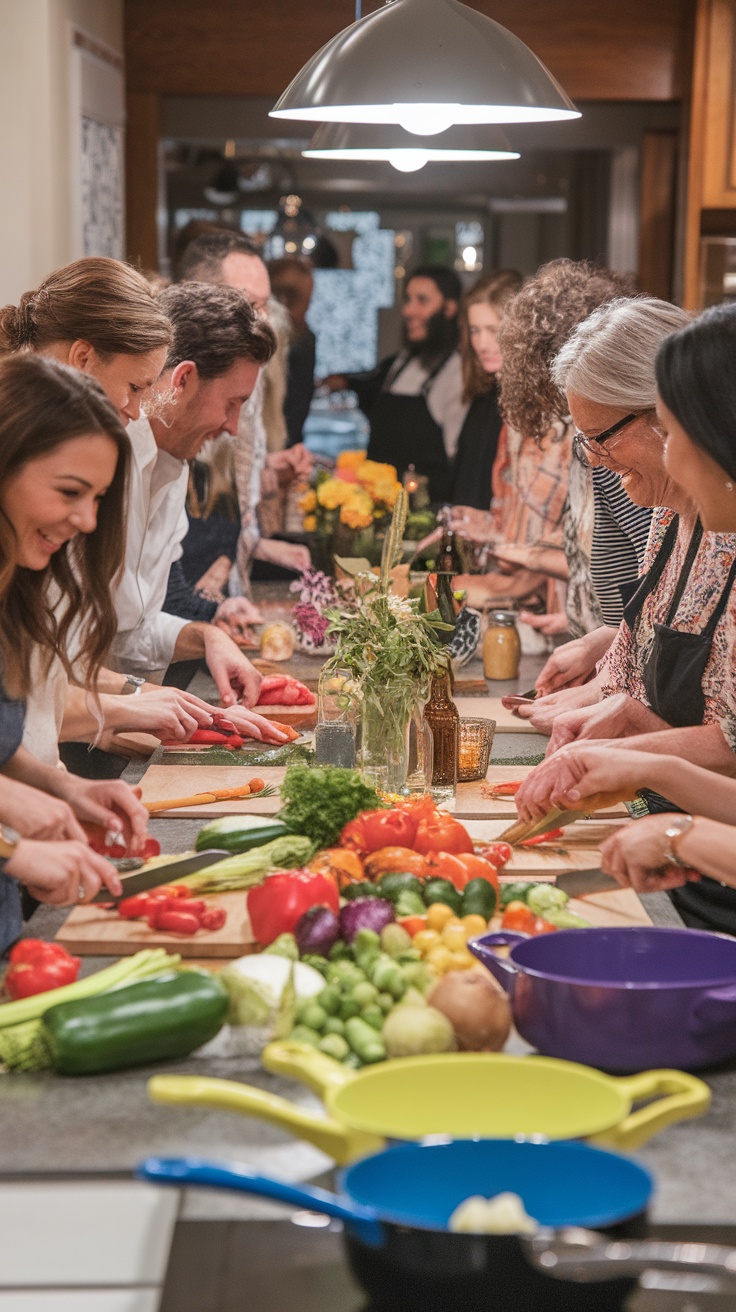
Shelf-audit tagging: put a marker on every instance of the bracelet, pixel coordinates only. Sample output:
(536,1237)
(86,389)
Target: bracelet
(673,836)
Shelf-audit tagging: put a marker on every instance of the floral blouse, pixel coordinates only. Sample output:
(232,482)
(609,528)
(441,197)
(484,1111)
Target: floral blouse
(623,665)
(530,486)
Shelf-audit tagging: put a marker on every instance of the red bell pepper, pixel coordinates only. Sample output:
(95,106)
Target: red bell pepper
(24,979)
(31,950)
(441,833)
(551,836)
(280,901)
(372,830)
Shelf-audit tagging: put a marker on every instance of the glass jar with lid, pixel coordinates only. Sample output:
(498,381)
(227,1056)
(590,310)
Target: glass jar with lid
(501,646)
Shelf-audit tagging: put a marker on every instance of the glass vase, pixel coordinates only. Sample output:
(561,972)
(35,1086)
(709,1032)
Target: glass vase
(385,716)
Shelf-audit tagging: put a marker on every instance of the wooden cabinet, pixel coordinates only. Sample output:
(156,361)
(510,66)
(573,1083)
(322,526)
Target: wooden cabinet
(712,164)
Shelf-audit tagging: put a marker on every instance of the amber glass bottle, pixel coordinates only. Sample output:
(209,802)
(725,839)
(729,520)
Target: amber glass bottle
(441,714)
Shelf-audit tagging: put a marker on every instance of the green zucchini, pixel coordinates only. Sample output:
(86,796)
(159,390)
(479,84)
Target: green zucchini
(156,1020)
(239,833)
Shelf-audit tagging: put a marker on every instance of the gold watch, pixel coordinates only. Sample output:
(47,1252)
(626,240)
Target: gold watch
(674,833)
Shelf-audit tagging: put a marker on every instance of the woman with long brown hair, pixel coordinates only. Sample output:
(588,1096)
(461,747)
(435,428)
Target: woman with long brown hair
(480,436)
(63,455)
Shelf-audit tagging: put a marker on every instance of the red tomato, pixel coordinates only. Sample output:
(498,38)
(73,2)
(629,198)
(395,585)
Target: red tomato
(497,853)
(442,834)
(413,924)
(31,950)
(372,830)
(479,868)
(213,918)
(444,865)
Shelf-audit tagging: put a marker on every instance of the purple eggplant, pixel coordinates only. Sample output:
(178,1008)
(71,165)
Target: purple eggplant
(316,931)
(365,913)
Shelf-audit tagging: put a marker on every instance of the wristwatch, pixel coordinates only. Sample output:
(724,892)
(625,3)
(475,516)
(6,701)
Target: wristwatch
(133,684)
(674,834)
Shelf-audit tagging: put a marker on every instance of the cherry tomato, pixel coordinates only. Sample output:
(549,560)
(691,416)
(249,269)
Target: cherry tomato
(134,908)
(172,921)
(442,834)
(444,865)
(413,924)
(213,918)
(518,916)
(497,853)
(479,868)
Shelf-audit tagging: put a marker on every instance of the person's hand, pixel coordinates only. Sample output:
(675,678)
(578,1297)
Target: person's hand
(110,803)
(164,712)
(333,382)
(550,625)
(235,615)
(569,665)
(213,583)
(475,525)
(543,711)
(250,724)
(236,679)
(293,461)
(619,716)
(634,856)
(484,588)
(62,874)
(581,770)
(36,815)
(289,555)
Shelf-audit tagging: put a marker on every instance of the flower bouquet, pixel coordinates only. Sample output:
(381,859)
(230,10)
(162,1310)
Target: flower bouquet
(317,595)
(349,510)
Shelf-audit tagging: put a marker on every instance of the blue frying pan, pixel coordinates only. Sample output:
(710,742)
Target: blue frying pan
(395,1207)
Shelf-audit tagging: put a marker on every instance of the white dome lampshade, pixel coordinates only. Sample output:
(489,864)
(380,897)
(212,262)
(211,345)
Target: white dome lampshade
(389,142)
(425,64)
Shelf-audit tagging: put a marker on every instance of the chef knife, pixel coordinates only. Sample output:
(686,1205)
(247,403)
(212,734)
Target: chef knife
(522,830)
(166,873)
(579,883)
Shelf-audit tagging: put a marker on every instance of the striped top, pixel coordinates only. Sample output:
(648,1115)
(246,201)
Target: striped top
(620,533)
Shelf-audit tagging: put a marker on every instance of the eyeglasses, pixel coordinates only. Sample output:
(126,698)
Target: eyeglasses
(584,446)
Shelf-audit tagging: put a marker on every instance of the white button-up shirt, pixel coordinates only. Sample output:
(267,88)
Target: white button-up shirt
(156,524)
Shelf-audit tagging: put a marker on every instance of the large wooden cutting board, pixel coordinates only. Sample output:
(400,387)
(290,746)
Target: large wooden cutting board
(490,708)
(471,804)
(92,931)
(577,850)
(171,781)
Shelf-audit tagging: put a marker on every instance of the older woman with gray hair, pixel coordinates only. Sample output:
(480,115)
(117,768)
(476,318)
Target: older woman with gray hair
(666,685)
(606,370)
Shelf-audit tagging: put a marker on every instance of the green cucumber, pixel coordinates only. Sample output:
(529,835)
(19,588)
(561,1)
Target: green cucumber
(156,1020)
(239,833)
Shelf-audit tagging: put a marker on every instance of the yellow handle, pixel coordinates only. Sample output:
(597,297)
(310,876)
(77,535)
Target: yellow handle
(338,1141)
(676,1097)
(315,1069)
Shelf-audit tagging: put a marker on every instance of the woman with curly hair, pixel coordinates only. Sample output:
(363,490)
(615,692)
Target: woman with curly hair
(555,508)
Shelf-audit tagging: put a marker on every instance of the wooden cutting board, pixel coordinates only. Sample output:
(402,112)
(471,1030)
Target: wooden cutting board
(92,931)
(577,850)
(169,781)
(490,708)
(471,804)
(299,717)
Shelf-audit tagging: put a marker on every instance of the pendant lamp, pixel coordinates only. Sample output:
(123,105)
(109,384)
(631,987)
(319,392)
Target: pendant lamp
(401,149)
(426,65)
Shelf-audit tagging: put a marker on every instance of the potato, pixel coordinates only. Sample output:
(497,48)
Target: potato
(477,1008)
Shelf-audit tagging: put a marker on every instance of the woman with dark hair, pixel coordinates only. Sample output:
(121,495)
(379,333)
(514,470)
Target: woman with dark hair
(63,454)
(480,436)
(696,406)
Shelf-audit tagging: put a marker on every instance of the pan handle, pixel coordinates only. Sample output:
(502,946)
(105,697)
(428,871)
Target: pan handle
(581,1256)
(196,1172)
(337,1140)
(502,968)
(676,1096)
(315,1069)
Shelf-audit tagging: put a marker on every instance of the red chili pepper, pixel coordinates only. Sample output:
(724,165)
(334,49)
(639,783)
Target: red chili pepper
(31,950)
(235,742)
(280,901)
(213,918)
(551,836)
(208,736)
(172,921)
(497,853)
(24,979)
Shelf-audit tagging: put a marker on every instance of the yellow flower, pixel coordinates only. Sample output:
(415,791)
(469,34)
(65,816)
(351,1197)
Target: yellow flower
(333,493)
(357,512)
(350,459)
(308,501)
(372,472)
(386,490)
(310,523)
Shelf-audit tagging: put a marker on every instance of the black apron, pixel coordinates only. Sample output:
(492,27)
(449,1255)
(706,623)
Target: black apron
(673,680)
(404,433)
(12,716)
(472,468)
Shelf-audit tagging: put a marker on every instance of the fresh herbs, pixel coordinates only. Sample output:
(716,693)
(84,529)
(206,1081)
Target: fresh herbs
(320,801)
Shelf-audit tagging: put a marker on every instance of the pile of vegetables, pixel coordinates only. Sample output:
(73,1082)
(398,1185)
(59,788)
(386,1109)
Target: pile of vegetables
(537,908)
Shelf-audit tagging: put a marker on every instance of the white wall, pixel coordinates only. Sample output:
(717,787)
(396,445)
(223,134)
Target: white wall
(36,167)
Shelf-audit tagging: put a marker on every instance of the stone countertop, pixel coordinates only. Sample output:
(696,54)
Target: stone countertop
(104,1125)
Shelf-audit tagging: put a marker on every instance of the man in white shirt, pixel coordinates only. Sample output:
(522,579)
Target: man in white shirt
(219,347)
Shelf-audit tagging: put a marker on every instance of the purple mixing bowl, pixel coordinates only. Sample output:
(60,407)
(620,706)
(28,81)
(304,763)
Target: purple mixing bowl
(621,999)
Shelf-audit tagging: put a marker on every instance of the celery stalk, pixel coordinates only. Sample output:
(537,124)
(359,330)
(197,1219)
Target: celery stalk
(126,971)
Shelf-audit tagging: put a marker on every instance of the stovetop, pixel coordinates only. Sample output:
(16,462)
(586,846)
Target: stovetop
(281,1266)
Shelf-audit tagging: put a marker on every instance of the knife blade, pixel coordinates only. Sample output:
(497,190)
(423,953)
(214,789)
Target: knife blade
(521,830)
(168,873)
(579,883)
